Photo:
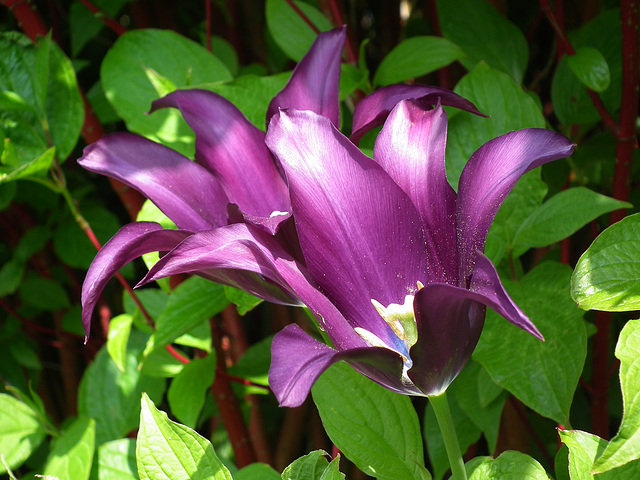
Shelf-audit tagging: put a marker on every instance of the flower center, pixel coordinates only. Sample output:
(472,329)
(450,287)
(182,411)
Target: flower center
(400,318)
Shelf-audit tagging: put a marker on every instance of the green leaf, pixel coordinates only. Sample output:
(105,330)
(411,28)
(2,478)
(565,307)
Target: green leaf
(20,431)
(625,446)
(257,471)
(35,168)
(502,44)
(10,276)
(112,397)
(161,364)
(466,394)
(494,94)
(72,452)
(198,337)
(172,57)
(31,242)
(571,101)
(290,32)
(168,450)
(117,338)
(194,301)
(116,460)
(313,466)
(41,77)
(252,94)
(606,276)
(44,294)
(561,216)
(466,431)
(414,57)
(510,465)
(244,302)
(376,429)
(543,375)
(188,389)
(591,68)
(254,365)
(13,101)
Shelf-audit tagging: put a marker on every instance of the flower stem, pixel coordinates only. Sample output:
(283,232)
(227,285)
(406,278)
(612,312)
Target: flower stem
(448,431)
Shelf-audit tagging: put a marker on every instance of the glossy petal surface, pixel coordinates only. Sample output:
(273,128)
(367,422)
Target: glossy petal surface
(314,83)
(186,192)
(357,228)
(129,243)
(233,150)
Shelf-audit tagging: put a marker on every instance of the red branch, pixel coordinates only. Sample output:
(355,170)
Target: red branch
(104,18)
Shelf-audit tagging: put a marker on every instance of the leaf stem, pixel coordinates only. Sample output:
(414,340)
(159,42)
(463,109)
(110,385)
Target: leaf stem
(447,429)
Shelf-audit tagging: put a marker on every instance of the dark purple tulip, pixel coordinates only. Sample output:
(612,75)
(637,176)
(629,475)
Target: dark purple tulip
(383,251)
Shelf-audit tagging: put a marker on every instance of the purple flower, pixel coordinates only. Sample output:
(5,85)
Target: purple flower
(383,251)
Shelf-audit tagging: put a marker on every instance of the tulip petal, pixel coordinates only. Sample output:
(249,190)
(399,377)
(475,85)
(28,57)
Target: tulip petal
(372,110)
(486,282)
(232,149)
(182,189)
(360,234)
(226,254)
(297,360)
(449,321)
(314,83)
(490,175)
(130,242)
(411,149)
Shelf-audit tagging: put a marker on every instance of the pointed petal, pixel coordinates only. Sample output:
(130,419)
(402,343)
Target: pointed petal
(130,242)
(315,80)
(486,282)
(449,321)
(232,149)
(372,110)
(360,234)
(411,148)
(226,254)
(182,189)
(490,175)
(297,360)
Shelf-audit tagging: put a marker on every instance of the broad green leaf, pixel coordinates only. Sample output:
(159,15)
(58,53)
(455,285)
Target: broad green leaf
(352,78)
(257,471)
(115,460)
(37,167)
(13,101)
(20,431)
(100,105)
(252,94)
(72,453)
(7,192)
(112,397)
(11,276)
(465,391)
(376,429)
(117,339)
(162,85)
(254,365)
(510,465)
(494,94)
(571,101)
(160,363)
(44,294)
(198,337)
(313,466)
(290,32)
(591,68)
(85,25)
(488,390)
(414,57)
(194,301)
(188,389)
(466,431)
(41,77)
(543,375)
(31,242)
(606,276)
(173,57)
(625,446)
(561,216)
(244,302)
(168,450)
(485,36)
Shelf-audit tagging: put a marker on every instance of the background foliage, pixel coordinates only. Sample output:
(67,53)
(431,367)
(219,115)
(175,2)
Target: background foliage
(72,70)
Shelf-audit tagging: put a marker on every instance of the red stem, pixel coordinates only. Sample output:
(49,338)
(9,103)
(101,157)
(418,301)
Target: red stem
(303,16)
(106,19)
(565,44)
(207,15)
